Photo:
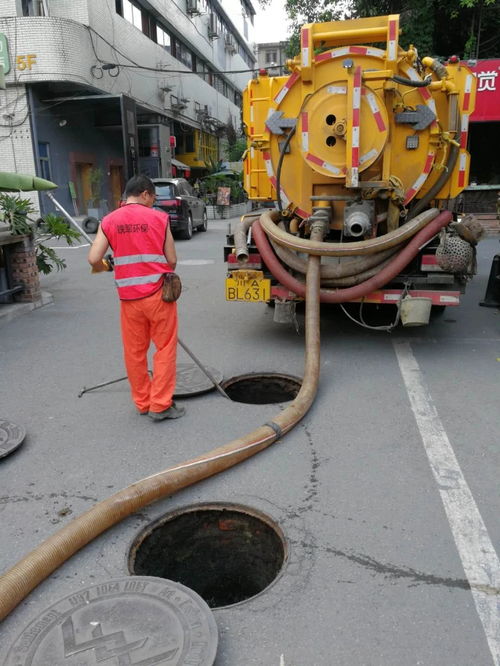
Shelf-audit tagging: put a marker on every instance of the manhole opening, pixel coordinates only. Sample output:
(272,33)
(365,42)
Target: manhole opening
(262,389)
(226,555)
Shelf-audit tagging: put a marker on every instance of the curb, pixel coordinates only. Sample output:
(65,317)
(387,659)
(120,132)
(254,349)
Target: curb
(13,310)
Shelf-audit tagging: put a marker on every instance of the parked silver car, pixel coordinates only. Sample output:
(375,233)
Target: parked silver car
(176,197)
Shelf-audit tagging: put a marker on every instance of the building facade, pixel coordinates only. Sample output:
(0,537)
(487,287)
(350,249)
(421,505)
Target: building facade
(97,90)
(271,56)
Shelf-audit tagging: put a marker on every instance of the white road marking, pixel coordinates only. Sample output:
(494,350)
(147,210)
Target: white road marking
(282,660)
(195,262)
(479,559)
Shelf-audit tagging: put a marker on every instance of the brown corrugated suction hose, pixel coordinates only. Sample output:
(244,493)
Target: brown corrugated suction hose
(24,576)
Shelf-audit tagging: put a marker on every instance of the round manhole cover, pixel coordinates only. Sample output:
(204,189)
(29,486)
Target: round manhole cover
(11,437)
(139,620)
(190,380)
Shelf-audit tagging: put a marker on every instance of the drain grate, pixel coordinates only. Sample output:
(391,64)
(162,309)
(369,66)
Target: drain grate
(225,553)
(262,388)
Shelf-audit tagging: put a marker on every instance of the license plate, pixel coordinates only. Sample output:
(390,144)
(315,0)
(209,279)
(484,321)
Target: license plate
(248,286)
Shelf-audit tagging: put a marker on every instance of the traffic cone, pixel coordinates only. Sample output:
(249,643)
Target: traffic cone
(492,296)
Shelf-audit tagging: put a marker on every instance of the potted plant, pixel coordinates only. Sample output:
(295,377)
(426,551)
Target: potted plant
(16,213)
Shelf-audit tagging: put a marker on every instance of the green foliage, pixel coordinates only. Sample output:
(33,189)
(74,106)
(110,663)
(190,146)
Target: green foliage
(468,28)
(16,214)
(210,184)
(236,150)
(309,11)
(47,260)
(213,165)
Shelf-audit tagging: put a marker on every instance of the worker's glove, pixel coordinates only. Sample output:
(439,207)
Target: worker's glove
(110,261)
(106,264)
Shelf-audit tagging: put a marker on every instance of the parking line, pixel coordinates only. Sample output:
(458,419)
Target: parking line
(479,559)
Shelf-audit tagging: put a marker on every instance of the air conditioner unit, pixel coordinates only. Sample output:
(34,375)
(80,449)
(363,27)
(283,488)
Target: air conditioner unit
(177,104)
(213,31)
(229,44)
(192,7)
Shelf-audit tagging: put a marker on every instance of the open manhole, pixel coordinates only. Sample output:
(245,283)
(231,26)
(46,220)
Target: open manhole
(262,388)
(225,553)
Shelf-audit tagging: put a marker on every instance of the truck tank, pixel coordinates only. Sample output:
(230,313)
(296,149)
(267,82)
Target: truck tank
(369,140)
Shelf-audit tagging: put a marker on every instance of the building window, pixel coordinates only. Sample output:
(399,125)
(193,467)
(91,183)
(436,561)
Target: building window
(32,8)
(183,54)
(271,57)
(132,14)
(44,157)
(163,39)
(189,143)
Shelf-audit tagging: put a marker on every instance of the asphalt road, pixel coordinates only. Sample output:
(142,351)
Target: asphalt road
(387,492)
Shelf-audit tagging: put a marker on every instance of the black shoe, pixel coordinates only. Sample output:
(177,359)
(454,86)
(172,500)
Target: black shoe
(173,412)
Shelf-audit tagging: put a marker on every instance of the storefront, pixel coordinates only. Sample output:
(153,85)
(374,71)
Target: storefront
(484,139)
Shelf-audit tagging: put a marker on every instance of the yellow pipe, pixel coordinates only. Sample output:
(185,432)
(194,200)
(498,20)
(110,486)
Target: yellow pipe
(353,36)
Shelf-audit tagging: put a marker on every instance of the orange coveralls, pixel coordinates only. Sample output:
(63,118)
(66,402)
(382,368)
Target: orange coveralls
(137,234)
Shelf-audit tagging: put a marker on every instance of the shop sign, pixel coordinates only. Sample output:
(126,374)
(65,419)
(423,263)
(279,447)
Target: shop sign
(487,73)
(4,54)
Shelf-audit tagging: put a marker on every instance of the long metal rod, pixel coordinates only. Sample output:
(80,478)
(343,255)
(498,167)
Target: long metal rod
(69,217)
(205,370)
(91,388)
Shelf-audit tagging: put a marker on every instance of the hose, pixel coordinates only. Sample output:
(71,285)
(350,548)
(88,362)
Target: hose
(453,123)
(283,150)
(24,576)
(268,222)
(412,84)
(343,269)
(450,165)
(240,236)
(351,280)
(393,268)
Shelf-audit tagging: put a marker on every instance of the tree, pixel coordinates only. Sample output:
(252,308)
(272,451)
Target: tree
(235,151)
(468,28)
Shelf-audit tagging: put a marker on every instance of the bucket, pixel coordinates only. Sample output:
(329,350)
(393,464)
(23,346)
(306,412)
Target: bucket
(415,311)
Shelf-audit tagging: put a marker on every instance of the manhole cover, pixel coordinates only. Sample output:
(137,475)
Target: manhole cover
(226,553)
(11,437)
(190,380)
(262,388)
(140,620)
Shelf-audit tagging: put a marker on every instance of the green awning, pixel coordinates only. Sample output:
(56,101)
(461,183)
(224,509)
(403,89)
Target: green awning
(15,182)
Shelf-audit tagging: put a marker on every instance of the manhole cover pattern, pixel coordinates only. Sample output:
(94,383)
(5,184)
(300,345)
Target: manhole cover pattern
(190,380)
(138,620)
(262,388)
(226,554)
(11,437)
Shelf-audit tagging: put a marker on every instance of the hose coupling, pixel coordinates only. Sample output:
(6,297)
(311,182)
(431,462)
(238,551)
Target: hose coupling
(435,66)
(358,217)
(320,221)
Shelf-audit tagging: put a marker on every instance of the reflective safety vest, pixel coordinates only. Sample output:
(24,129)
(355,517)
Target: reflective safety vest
(137,235)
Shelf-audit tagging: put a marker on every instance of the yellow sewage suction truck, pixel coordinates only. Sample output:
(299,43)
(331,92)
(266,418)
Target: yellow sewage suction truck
(362,147)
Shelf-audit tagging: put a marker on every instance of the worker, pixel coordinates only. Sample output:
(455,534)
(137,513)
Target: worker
(144,251)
